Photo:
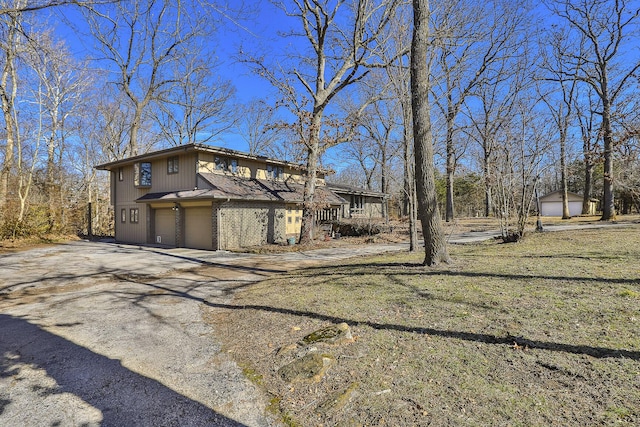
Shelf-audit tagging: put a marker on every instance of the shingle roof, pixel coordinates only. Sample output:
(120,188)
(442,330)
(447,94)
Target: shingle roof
(348,189)
(237,188)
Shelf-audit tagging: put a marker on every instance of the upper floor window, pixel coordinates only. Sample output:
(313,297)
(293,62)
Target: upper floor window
(222,163)
(275,172)
(172,165)
(142,174)
(226,164)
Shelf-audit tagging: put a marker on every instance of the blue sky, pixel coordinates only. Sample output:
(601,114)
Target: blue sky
(257,31)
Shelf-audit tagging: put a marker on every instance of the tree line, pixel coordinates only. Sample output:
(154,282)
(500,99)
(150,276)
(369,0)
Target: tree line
(415,99)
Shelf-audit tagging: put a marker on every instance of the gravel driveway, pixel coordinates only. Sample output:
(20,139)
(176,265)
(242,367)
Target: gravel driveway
(107,334)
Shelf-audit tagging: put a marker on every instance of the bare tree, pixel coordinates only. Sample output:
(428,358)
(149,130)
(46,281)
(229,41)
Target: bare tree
(342,38)
(434,242)
(376,145)
(21,6)
(61,84)
(560,101)
(489,110)
(143,40)
(520,158)
(11,41)
(257,126)
(603,64)
(468,39)
(586,107)
(197,107)
(398,75)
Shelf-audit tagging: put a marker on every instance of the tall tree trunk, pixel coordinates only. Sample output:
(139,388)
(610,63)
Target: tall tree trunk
(135,127)
(8,92)
(313,158)
(588,181)
(384,185)
(434,242)
(409,185)
(487,185)
(608,207)
(451,167)
(563,174)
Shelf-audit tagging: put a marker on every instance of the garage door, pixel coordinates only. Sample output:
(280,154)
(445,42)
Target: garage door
(165,227)
(197,224)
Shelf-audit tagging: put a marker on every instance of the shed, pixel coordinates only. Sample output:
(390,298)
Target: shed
(551,204)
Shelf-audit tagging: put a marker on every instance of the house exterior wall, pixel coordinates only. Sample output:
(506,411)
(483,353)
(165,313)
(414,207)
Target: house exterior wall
(184,179)
(129,231)
(124,192)
(371,207)
(233,224)
(247,168)
(242,224)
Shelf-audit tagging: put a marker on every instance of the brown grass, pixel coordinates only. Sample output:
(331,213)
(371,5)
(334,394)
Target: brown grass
(543,332)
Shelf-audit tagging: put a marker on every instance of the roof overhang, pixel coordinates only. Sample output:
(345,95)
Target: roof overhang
(190,148)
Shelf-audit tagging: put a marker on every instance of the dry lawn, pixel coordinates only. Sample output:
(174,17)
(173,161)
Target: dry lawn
(539,333)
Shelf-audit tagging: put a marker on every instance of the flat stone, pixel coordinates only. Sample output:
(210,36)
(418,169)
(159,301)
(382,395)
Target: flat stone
(311,367)
(337,400)
(333,334)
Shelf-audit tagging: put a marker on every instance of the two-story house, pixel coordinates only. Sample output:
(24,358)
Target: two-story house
(204,197)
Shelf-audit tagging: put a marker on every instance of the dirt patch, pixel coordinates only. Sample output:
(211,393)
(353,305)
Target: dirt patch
(9,246)
(543,332)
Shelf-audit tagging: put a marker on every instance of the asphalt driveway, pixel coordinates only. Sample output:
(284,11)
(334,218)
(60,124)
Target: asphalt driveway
(107,334)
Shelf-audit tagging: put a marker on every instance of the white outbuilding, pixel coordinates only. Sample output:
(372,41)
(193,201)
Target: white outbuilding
(551,204)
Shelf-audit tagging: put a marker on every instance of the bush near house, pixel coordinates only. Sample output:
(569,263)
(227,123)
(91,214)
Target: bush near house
(357,228)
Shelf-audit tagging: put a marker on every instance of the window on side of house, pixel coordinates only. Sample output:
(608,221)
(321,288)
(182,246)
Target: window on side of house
(275,172)
(233,165)
(172,165)
(357,202)
(142,174)
(222,163)
(123,215)
(134,215)
(120,174)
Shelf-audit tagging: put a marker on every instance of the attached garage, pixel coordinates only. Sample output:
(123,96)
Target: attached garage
(198,230)
(165,226)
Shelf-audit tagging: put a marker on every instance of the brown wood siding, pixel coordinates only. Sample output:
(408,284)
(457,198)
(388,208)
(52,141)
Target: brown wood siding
(127,231)
(185,179)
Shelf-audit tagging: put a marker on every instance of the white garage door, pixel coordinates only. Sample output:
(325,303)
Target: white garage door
(165,227)
(197,224)
(575,208)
